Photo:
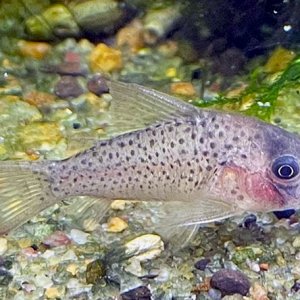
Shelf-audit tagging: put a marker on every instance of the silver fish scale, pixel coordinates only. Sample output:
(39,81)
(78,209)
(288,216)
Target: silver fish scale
(169,161)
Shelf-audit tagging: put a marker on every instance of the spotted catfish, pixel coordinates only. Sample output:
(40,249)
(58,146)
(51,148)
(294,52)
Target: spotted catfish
(204,165)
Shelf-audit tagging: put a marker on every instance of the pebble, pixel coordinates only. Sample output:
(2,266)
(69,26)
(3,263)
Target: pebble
(202,263)
(116,224)
(78,236)
(97,85)
(258,292)
(68,87)
(37,50)
(38,98)
(58,238)
(3,245)
(230,282)
(118,205)
(139,293)
(144,247)
(43,281)
(54,292)
(95,270)
(131,36)
(72,268)
(105,59)
(183,89)
(296,242)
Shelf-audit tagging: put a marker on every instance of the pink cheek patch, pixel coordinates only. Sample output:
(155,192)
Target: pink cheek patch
(259,188)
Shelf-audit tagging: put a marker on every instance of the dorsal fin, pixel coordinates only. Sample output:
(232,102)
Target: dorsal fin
(135,107)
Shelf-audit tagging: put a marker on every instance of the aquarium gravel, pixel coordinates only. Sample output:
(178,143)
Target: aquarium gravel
(54,103)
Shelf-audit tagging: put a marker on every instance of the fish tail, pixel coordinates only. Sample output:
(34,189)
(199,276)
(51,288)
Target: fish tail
(24,192)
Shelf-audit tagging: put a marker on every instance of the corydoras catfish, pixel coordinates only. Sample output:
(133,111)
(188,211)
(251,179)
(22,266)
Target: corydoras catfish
(205,165)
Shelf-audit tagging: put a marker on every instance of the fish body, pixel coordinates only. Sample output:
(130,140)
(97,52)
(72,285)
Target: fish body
(207,165)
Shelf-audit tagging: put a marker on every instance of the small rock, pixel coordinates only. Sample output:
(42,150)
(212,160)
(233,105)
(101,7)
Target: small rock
(69,255)
(230,282)
(95,271)
(296,286)
(264,266)
(233,297)
(118,205)
(72,268)
(284,214)
(183,88)
(139,293)
(39,99)
(68,87)
(54,292)
(116,224)
(202,263)
(56,239)
(97,85)
(131,36)
(78,236)
(257,292)
(104,58)
(144,247)
(250,220)
(296,242)
(37,50)
(43,281)
(3,245)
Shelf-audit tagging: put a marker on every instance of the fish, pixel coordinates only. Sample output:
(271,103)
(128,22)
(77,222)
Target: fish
(203,165)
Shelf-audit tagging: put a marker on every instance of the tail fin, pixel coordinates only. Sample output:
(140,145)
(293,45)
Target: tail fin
(24,192)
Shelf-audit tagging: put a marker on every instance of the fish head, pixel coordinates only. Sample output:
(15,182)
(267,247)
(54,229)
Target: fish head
(268,177)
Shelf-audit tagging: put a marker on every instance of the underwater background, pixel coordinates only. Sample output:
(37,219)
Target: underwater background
(231,55)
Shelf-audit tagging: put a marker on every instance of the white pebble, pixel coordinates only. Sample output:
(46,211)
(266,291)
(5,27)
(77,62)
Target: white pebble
(144,247)
(43,281)
(79,237)
(3,245)
(69,255)
(296,242)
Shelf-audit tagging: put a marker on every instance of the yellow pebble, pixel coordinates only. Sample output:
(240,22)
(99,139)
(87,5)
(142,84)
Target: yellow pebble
(52,293)
(279,60)
(72,268)
(104,58)
(171,72)
(183,89)
(116,224)
(118,205)
(36,50)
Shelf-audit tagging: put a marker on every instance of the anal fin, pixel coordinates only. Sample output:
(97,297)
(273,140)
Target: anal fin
(179,221)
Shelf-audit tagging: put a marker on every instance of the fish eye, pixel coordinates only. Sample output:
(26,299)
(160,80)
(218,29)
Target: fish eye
(285,167)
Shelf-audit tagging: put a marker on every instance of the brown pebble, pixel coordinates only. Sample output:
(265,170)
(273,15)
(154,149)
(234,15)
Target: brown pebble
(68,87)
(97,85)
(264,266)
(139,293)
(230,282)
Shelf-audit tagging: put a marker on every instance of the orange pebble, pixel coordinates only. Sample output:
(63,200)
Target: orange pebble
(37,50)
(183,89)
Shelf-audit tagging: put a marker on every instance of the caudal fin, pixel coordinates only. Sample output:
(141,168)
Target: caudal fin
(23,194)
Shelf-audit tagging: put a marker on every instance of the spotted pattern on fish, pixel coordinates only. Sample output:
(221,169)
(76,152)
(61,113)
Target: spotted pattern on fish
(170,161)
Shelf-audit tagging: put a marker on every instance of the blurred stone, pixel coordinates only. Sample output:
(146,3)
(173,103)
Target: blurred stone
(131,36)
(105,59)
(230,282)
(97,85)
(37,50)
(183,89)
(116,224)
(68,87)
(3,245)
(95,271)
(139,293)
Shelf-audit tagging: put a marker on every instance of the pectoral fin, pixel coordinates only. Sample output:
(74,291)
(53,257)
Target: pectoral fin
(86,212)
(179,221)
